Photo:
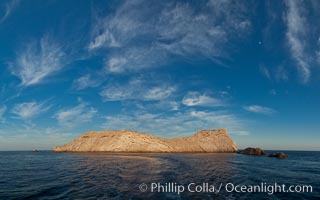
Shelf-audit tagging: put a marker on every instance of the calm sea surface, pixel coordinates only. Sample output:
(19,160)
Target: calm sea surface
(48,175)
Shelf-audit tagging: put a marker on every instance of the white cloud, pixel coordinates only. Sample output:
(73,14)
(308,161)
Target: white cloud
(115,65)
(259,109)
(137,89)
(297,34)
(318,56)
(278,73)
(85,81)
(221,119)
(265,72)
(318,50)
(166,105)
(176,124)
(75,116)
(281,73)
(198,99)
(3,109)
(167,28)
(104,39)
(158,92)
(38,61)
(9,7)
(135,58)
(29,110)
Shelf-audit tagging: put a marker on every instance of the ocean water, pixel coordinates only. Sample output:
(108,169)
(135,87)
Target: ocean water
(48,175)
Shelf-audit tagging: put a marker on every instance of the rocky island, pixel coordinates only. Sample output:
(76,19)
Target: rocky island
(259,152)
(132,141)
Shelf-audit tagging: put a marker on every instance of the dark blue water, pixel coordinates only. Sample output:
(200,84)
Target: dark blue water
(47,175)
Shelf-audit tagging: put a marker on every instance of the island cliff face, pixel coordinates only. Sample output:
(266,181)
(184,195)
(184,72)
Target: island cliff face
(131,141)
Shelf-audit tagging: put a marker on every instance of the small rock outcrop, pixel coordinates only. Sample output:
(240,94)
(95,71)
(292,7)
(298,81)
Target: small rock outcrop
(259,152)
(253,151)
(278,155)
(132,141)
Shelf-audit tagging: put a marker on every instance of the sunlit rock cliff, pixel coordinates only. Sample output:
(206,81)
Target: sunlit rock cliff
(131,141)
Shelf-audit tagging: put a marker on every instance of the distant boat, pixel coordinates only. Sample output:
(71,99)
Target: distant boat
(35,150)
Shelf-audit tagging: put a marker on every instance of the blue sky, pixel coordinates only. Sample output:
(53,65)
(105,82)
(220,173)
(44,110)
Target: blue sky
(168,68)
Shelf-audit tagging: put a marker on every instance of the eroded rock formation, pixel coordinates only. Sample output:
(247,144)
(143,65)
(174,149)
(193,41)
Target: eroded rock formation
(278,155)
(253,151)
(131,141)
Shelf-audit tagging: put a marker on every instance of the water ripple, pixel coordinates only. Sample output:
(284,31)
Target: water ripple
(46,175)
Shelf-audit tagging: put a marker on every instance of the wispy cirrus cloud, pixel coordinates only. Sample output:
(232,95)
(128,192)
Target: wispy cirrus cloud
(86,81)
(198,99)
(28,110)
(318,51)
(265,72)
(9,7)
(260,109)
(176,124)
(278,73)
(301,39)
(75,116)
(137,89)
(166,105)
(3,109)
(38,60)
(166,29)
(298,37)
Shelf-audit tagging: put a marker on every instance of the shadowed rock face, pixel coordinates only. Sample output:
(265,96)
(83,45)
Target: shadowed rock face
(278,155)
(259,152)
(131,141)
(253,151)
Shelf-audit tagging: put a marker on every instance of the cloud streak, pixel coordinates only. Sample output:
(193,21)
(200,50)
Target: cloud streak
(177,124)
(137,89)
(86,81)
(38,60)
(71,117)
(297,34)
(278,73)
(259,109)
(3,109)
(167,29)
(198,99)
(28,110)
(9,7)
